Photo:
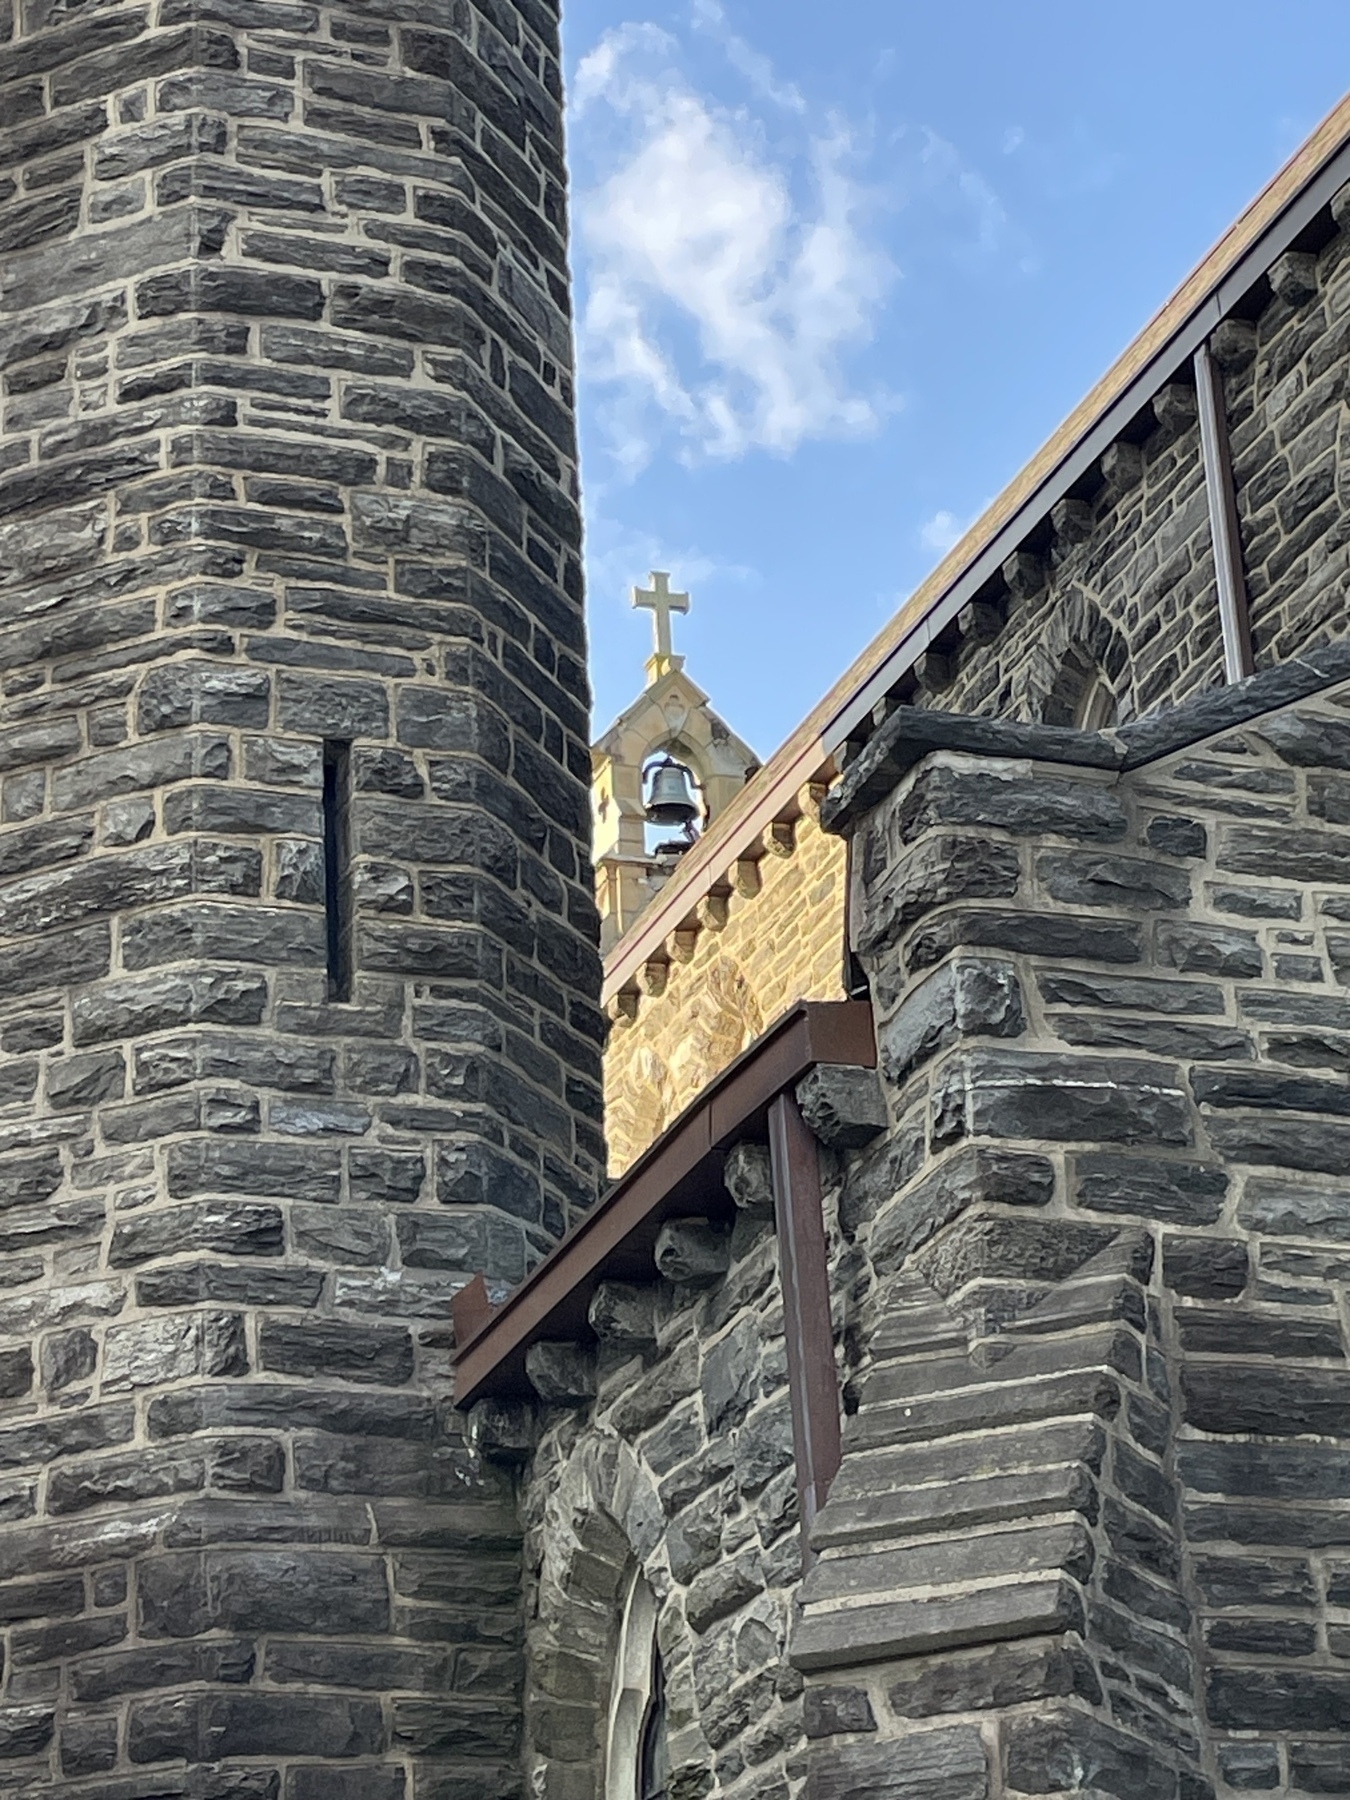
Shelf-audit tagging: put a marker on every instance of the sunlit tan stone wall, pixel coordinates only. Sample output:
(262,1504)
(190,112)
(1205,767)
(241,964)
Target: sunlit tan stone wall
(725,983)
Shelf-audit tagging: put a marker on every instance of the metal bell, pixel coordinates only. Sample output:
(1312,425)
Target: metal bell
(671,801)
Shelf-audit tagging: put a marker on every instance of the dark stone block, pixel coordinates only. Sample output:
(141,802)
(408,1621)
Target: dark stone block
(25,1730)
(205,1727)
(964,998)
(946,1764)
(939,871)
(911,733)
(1011,1248)
(292,1172)
(1281,1471)
(1258,1699)
(231,1229)
(1175,836)
(972,1176)
(342,1350)
(1045,1752)
(88,1745)
(1263,1088)
(1022,805)
(1025,933)
(828,1711)
(1318,1146)
(1298,854)
(1154,1037)
(842,1106)
(1130,882)
(1270,1401)
(1210,950)
(252,292)
(281,1407)
(1179,1193)
(1318,1768)
(1008,1094)
(1006,1675)
(316,1589)
(1205,1268)
(65,1434)
(1308,740)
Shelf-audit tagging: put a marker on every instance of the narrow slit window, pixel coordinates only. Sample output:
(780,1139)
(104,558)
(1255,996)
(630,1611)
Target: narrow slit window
(337,871)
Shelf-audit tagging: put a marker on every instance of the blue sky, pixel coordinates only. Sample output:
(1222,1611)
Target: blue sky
(842,269)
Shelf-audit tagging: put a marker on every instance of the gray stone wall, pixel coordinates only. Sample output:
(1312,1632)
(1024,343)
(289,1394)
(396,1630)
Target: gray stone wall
(287,458)
(671,1451)
(1121,575)
(1089,1529)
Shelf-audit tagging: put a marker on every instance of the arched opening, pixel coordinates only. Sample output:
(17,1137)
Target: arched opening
(1081,696)
(637,1760)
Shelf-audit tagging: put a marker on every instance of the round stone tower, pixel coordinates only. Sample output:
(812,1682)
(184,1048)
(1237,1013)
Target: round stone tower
(298,976)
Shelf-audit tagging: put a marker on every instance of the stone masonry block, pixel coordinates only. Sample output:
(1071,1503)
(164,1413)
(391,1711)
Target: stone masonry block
(844,1107)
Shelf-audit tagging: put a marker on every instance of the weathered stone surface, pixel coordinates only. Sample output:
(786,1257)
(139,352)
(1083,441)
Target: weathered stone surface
(561,1373)
(937,871)
(1009,1094)
(749,1178)
(964,998)
(1007,1675)
(286,456)
(623,1314)
(1051,1751)
(1205,1268)
(1295,1209)
(1129,882)
(1024,805)
(828,1711)
(845,1107)
(915,1627)
(1179,1192)
(692,1251)
(973,1175)
(949,1764)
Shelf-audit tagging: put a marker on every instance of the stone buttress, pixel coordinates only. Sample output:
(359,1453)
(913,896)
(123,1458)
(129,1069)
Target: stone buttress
(1090,1534)
(298,975)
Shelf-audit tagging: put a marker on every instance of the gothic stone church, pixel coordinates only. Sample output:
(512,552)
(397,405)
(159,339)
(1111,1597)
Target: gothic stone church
(934,1385)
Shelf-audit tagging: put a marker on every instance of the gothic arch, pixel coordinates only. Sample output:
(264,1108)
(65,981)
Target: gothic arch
(1079,673)
(602,1525)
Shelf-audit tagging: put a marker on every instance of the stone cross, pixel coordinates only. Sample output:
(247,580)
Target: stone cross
(661,603)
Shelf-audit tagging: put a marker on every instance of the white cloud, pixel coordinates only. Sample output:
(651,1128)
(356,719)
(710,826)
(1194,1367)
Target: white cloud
(710,16)
(941,532)
(944,531)
(947,180)
(724,282)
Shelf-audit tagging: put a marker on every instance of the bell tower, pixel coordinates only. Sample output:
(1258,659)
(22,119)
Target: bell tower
(664,770)
(298,965)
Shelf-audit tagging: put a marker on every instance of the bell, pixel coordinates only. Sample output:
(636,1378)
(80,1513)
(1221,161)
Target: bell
(671,802)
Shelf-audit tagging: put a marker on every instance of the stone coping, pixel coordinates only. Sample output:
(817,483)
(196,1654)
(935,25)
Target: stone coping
(912,733)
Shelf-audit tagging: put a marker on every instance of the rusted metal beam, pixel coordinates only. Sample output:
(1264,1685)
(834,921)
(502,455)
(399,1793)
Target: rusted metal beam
(803,1257)
(1223,518)
(680,1176)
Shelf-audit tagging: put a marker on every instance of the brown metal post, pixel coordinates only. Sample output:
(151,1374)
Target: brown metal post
(813,1380)
(1223,518)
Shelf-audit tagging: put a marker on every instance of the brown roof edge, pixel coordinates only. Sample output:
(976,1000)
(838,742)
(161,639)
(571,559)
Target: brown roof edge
(678,1177)
(1273,221)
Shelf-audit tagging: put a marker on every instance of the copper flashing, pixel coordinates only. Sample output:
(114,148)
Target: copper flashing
(678,1177)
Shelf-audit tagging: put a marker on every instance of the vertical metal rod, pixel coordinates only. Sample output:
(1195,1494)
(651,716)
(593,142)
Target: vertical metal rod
(1223,518)
(813,1380)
